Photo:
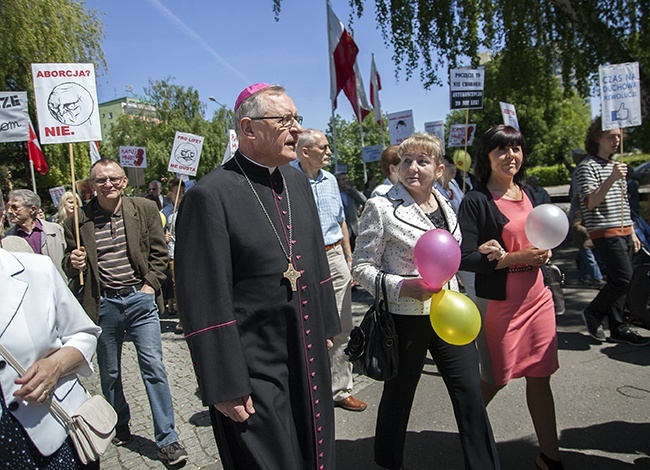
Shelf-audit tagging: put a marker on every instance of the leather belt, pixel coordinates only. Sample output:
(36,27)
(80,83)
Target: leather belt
(123,292)
(333,245)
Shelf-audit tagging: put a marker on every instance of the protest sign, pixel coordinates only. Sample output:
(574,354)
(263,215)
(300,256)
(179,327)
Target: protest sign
(186,153)
(231,146)
(466,88)
(66,103)
(509,114)
(371,153)
(460,135)
(14,120)
(620,95)
(400,126)
(133,157)
(436,128)
(56,194)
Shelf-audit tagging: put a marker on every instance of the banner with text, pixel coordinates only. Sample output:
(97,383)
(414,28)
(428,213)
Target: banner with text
(400,126)
(186,153)
(620,95)
(466,88)
(231,146)
(509,114)
(436,128)
(56,194)
(459,134)
(133,157)
(14,120)
(371,153)
(66,103)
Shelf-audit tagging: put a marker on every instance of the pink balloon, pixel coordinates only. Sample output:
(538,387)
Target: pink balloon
(437,257)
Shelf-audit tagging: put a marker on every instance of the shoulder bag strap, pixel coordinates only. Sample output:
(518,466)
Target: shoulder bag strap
(55,408)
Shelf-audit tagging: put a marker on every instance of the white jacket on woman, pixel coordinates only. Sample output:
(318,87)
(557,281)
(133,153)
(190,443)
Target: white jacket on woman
(38,316)
(390,227)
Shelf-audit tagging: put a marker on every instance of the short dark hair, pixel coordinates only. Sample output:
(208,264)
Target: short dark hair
(499,137)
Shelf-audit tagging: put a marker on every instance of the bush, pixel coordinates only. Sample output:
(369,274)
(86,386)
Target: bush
(550,175)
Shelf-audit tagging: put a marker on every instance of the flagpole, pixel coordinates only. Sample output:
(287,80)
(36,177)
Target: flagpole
(76,207)
(359,118)
(31,170)
(336,152)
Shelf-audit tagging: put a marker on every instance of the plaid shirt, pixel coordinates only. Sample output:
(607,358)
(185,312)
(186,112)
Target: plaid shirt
(329,204)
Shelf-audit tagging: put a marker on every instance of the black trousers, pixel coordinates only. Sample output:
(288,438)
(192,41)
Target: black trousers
(616,253)
(458,366)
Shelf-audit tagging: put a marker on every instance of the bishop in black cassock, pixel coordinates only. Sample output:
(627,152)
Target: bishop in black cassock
(249,332)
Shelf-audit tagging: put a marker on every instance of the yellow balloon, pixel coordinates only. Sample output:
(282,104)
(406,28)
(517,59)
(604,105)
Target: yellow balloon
(462,160)
(454,317)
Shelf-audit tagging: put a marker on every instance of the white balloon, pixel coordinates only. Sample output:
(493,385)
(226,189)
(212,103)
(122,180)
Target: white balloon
(547,226)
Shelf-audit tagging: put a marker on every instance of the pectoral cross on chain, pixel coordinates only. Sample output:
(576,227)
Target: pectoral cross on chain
(292,275)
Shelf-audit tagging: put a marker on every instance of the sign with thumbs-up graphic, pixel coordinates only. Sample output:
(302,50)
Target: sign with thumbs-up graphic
(620,95)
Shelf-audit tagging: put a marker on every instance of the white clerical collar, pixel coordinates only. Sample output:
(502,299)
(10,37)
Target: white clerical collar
(270,168)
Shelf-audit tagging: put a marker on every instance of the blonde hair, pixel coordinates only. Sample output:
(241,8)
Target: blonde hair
(427,143)
(63,213)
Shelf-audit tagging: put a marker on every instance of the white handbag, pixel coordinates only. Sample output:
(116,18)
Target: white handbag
(91,427)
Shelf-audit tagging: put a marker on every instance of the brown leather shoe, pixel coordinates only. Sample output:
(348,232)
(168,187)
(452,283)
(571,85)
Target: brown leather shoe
(351,404)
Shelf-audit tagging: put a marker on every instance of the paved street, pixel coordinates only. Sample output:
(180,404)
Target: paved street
(602,394)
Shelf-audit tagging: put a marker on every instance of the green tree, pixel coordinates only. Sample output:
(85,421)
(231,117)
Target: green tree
(348,143)
(41,32)
(553,119)
(572,36)
(178,109)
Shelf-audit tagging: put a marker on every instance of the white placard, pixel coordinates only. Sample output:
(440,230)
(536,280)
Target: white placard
(14,120)
(371,153)
(186,153)
(458,134)
(231,146)
(56,194)
(466,88)
(133,157)
(436,128)
(509,114)
(620,95)
(400,126)
(66,103)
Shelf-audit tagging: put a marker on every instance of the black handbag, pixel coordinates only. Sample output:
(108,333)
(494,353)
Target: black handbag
(554,280)
(372,347)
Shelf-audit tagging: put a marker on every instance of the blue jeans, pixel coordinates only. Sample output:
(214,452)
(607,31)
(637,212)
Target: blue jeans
(137,314)
(588,265)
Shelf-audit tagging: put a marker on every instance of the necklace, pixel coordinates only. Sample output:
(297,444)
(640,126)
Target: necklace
(291,274)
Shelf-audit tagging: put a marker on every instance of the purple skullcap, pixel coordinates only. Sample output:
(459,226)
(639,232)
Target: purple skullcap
(248,91)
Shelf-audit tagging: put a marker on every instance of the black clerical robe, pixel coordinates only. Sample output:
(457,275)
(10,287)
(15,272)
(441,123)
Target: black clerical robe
(247,331)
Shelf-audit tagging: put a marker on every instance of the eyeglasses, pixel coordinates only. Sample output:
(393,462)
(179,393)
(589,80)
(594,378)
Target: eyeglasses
(15,208)
(285,121)
(115,180)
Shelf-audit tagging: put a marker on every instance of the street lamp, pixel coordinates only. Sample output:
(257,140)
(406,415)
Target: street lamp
(230,119)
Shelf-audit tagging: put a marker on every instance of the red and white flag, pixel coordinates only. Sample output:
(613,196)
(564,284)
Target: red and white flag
(343,54)
(94,151)
(375,86)
(355,92)
(35,153)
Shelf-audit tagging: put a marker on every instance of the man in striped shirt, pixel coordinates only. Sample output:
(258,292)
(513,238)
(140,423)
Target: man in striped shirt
(123,257)
(603,201)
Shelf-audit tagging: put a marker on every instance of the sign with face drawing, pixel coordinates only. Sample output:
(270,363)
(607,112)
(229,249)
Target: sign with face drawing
(66,103)
(186,153)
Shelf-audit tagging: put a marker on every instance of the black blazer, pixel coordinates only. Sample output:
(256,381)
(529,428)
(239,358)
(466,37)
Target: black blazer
(481,220)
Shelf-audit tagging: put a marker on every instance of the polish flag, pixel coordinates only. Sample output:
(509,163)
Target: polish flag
(375,86)
(343,53)
(94,151)
(355,92)
(35,153)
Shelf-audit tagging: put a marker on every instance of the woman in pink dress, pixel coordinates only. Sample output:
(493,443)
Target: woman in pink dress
(518,338)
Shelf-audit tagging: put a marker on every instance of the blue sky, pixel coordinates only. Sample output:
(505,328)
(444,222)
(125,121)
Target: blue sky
(219,47)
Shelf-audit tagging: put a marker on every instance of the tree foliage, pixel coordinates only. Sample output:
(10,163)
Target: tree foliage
(57,31)
(553,119)
(178,109)
(573,37)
